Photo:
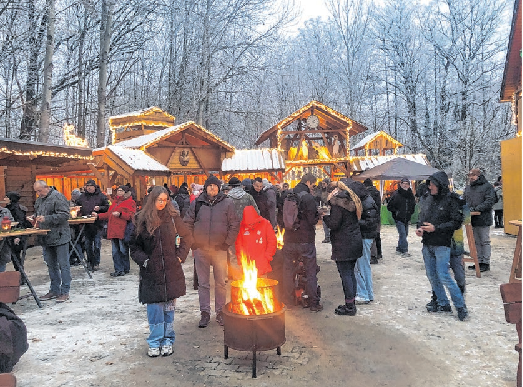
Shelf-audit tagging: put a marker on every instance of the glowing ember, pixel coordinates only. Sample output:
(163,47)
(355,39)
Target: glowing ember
(252,295)
(279,238)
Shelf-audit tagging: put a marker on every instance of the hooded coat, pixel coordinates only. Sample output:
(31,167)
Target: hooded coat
(161,278)
(13,338)
(262,201)
(55,208)
(241,199)
(369,215)
(183,200)
(116,225)
(442,210)
(344,228)
(308,216)
(480,196)
(256,240)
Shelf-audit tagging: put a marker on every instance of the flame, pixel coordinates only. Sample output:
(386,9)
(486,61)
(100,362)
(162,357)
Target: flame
(70,138)
(279,238)
(250,297)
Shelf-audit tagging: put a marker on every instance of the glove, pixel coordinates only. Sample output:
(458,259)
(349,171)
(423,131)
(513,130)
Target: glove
(222,247)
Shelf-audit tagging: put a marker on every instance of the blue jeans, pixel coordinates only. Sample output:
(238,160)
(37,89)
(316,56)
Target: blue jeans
(57,260)
(294,252)
(160,317)
(363,273)
(437,262)
(203,259)
(403,231)
(93,244)
(456,263)
(348,279)
(3,266)
(120,255)
(326,231)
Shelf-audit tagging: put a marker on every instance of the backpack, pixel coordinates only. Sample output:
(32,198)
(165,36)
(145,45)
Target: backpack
(291,206)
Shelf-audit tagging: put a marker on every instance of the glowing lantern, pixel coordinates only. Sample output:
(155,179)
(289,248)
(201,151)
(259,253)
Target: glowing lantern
(6,224)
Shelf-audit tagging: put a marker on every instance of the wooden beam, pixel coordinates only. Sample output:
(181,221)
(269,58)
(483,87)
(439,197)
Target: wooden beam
(2,183)
(97,174)
(275,177)
(200,162)
(113,178)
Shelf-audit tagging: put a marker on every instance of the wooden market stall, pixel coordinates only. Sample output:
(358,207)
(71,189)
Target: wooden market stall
(312,139)
(251,163)
(24,162)
(153,155)
(511,149)
(376,144)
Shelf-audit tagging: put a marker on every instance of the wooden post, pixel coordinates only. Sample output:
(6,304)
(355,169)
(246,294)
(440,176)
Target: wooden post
(472,248)
(515,271)
(2,183)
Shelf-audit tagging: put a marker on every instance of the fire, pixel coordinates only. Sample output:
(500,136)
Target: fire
(252,295)
(279,238)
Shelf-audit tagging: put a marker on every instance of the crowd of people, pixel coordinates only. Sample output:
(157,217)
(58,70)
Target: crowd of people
(224,223)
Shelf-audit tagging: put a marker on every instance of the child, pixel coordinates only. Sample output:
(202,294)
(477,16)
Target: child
(256,240)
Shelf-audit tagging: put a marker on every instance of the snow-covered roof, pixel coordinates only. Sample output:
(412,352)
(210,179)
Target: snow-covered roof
(151,110)
(137,159)
(254,160)
(369,137)
(152,138)
(363,163)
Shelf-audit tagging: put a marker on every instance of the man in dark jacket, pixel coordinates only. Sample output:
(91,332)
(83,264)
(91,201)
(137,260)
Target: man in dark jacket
(439,218)
(261,198)
(13,338)
(299,245)
(213,221)
(52,213)
(402,205)
(375,250)
(93,202)
(368,228)
(480,197)
(183,199)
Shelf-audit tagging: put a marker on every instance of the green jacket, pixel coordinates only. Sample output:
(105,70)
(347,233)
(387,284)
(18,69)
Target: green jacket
(55,207)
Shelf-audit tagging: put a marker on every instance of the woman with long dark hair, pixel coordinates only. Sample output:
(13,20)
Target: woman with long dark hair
(155,249)
(346,240)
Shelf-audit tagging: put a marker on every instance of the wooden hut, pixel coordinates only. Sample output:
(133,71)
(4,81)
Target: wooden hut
(376,144)
(24,162)
(182,153)
(315,136)
(511,149)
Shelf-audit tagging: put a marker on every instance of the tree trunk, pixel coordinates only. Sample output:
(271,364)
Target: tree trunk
(105,41)
(80,124)
(203,99)
(45,109)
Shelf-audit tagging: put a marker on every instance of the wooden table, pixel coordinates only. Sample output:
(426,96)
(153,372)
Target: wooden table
(515,271)
(82,221)
(17,234)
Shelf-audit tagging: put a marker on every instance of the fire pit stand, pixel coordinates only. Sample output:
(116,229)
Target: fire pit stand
(253,333)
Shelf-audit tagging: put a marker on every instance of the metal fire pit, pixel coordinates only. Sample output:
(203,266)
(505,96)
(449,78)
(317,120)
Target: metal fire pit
(253,333)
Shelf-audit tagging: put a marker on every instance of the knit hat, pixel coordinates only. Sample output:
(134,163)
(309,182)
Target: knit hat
(124,188)
(212,180)
(405,180)
(367,182)
(247,182)
(90,182)
(14,197)
(75,194)
(184,184)
(475,172)
(234,182)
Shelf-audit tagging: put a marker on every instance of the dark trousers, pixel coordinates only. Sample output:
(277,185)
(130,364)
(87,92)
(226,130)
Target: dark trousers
(93,244)
(375,249)
(348,279)
(498,218)
(292,253)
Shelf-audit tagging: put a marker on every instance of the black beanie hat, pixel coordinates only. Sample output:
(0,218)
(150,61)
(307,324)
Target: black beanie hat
(90,182)
(235,182)
(212,180)
(367,182)
(124,188)
(14,197)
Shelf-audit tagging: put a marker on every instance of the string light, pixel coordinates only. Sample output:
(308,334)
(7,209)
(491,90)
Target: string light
(35,154)
(71,139)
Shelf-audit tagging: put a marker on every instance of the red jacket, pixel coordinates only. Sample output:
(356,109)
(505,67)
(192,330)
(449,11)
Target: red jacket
(116,225)
(256,239)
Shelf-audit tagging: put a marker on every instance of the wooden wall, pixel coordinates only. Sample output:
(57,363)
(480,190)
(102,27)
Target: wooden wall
(21,180)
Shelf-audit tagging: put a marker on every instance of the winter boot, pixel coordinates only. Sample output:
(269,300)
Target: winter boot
(433,304)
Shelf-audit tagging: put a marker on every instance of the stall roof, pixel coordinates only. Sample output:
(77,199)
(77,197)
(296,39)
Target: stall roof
(138,159)
(153,116)
(324,113)
(150,139)
(368,138)
(363,163)
(396,169)
(254,160)
(512,73)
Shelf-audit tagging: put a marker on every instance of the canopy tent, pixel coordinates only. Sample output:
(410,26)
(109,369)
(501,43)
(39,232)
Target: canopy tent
(396,169)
